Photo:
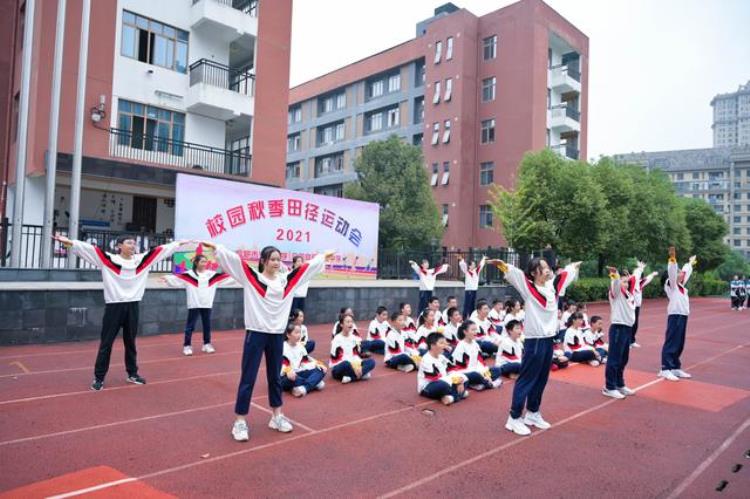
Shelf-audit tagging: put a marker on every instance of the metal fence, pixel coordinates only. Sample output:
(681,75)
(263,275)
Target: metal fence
(221,76)
(32,247)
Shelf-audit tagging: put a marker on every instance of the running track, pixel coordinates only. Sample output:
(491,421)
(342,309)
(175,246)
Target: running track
(376,438)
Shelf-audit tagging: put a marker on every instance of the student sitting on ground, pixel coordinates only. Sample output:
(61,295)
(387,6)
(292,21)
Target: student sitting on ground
(409,325)
(451,329)
(467,360)
(569,309)
(337,324)
(575,346)
(396,354)
(594,337)
(509,354)
(346,361)
(376,332)
(426,326)
(487,337)
(434,305)
(298,317)
(513,312)
(300,373)
(433,379)
(497,314)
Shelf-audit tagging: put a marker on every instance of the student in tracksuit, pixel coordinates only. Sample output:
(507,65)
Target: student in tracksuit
(427,278)
(434,379)
(467,360)
(539,292)
(678,311)
(124,277)
(300,373)
(268,295)
(622,317)
(471,282)
(346,360)
(397,354)
(642,283)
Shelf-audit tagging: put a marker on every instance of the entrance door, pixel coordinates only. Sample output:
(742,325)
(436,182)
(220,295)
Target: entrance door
(144,214)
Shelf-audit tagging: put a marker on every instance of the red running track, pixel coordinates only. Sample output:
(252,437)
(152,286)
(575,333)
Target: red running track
(376,438)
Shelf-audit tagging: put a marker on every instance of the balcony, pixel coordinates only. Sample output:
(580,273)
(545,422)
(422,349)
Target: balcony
(564,119)
(225,20)
(220,92)
(565,79)
(569,151)
(153,150)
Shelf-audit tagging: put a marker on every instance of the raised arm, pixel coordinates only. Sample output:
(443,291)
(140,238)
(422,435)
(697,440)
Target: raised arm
(481,265)
(442,269)
(566,277)
(462,265)
(688,268)
(157,254)
(304,273)
(229,261)
(647,280)
(614,281)
(672,268)
(173,281)
(514,276)
(87,252)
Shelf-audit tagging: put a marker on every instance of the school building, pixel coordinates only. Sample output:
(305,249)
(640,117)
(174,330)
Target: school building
(474,92)
(195,86)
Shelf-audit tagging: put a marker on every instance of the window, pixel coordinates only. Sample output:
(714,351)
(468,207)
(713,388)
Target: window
(549,98)
(293,142)
(154,43)
(330,133)
(295,115)
(736,242)
(446,172)
(488,131)
(150,128)
(376,122)
(486,173)
(447,132)
(680,176)
(393,117)
(448,89)
(435,133)
(696,175)
(485,216)
(449,48)
(736,231)
(737,219)
(490,47)
(418,110)
(293,170)
(436,96)
(16,107)
(331,102)
(341,100)
(445,215)
(394,83)
(328,165)
(438,51)
(416,140)
(488,89)
(335,190)
(376,88)
(435,173)
(419,74)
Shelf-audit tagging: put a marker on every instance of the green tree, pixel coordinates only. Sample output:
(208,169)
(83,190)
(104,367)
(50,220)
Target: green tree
(734,264)
(391,173)
(707,231)
(514,219)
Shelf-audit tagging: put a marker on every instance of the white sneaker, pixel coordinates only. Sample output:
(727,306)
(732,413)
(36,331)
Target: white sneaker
(536,419)
(240,431)
(299,391)
(367,376)
(594,363)
(615,394)
(447,399)
(346,379)
(478,388)
(187,351)
(517,426)
(320,385)
(465,395)
(497,383)
(635,345)
(668,375)
(626,391)
(280,423)
(681,374)
(409,368)
(208,348)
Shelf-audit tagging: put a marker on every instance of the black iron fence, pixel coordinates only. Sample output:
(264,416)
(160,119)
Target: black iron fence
(218,75)
(150,148)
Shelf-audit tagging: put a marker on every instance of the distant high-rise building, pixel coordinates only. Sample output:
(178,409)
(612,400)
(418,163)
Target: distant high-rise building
(732,117)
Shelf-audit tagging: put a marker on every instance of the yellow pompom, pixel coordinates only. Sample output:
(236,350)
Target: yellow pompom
(457,380)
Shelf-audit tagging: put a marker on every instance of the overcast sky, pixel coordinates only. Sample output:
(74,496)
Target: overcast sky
(655,64)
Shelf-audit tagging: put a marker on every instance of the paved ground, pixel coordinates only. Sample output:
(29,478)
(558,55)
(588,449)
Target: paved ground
(376,438)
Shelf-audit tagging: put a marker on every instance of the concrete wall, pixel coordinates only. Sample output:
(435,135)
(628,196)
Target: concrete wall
(51,316)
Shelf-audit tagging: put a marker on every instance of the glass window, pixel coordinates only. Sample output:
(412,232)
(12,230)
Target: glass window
(488,89)
(376,122)
(490,47)
(485,216)
(438,51)
(376,88)
(435,133)
(447,131)
(153,42)
(393,117)
(446,173)
(394,83)
(150,128)
(448,89)
(449,48)
(486,173)
(293,170)
(128,41)
(436,96)
(341,100)
(488,131)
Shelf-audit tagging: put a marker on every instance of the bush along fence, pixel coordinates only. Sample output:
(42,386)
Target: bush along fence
(588,289)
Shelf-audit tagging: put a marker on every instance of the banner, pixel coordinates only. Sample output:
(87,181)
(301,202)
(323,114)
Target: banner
(246,217)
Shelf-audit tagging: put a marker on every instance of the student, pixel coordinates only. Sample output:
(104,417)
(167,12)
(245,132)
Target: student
(497,314)
(451,329)
(583,309)
(433,379)
(737,292)
(471,282)
(487,338)
(337,324)
(426,325)
(200,288)
(268,298)
(124,277)
(376,332)
(576,348)
(346,361)
(622,317)
(539,291)
(642,283)
(467,360)
(450,302)
(510,353)
(427,278)
(594,337)
(747,292)
(678,311)
(513,312)
(298,317)
(396,354)
(409,325)
(434,305)
(301,292)
(569,309)
(300,373)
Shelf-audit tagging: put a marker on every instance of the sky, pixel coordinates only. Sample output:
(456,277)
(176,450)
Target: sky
(654,67)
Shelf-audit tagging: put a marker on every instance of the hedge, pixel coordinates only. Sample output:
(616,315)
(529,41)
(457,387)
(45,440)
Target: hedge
(587,289)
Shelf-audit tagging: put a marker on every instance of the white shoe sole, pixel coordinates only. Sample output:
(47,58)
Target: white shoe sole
(512,430)
(613,396)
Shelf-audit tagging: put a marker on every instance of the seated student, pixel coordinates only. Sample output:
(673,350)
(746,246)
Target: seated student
(451,329)
(409,325)
(300,373)
(434,305)
(337,324)
(513,312)
(346,360)
(569,309)
(376,332)
(594,337)
(450,302)
(426,325)
(433,379)
(396,354)
(467,360)
(559,360)
(509,354)
(497,314)
(298,318)
(575,346)
(583,308)
(487,337)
